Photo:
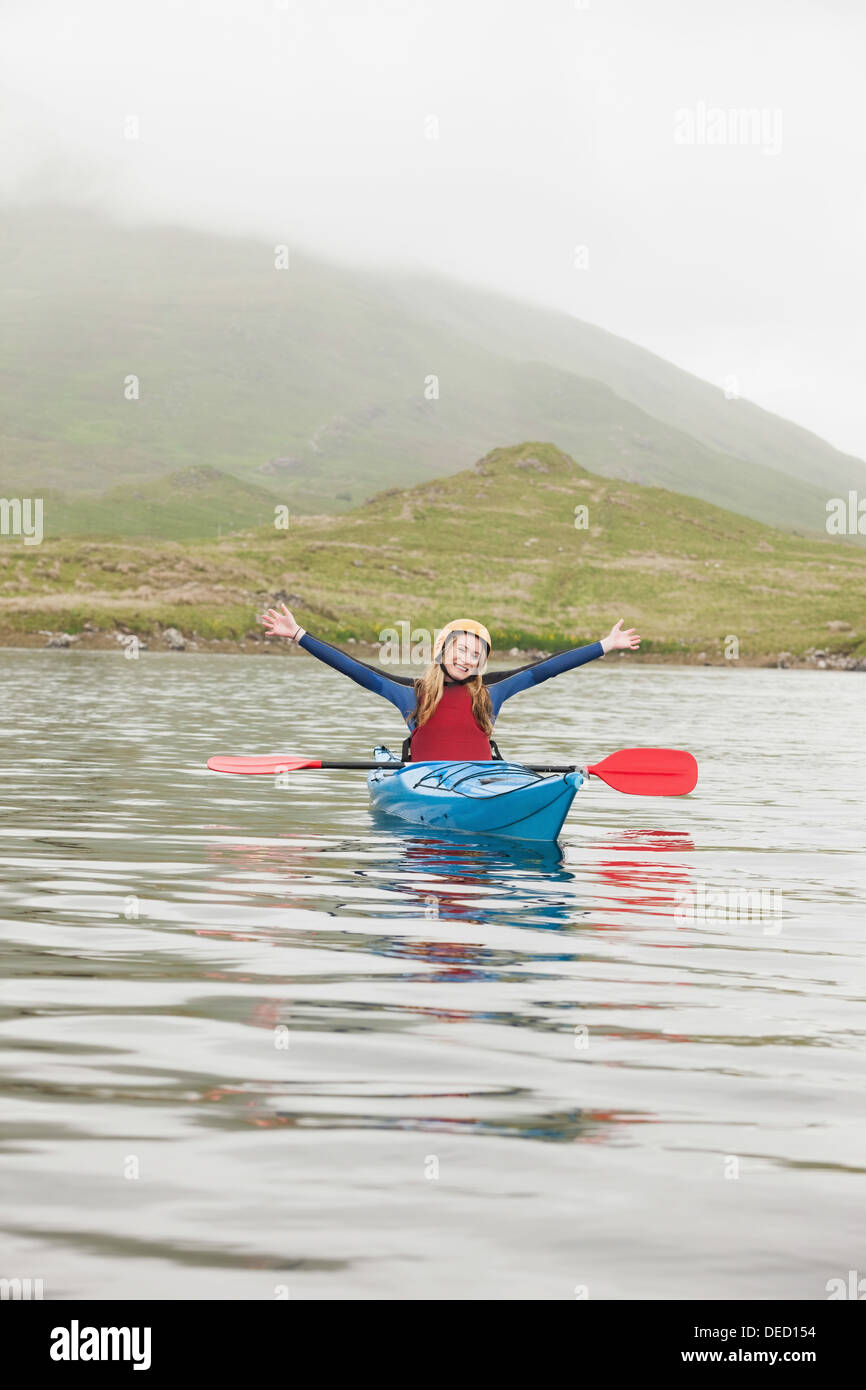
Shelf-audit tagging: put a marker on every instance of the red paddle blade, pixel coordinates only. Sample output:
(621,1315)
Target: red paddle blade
(648,771)
(263,764)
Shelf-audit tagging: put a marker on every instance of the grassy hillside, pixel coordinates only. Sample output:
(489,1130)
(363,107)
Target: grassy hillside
(697,409)
(497,541)
(309,383)
(193,503)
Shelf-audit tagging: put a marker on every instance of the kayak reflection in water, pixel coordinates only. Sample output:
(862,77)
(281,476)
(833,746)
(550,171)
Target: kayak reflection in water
(451,709)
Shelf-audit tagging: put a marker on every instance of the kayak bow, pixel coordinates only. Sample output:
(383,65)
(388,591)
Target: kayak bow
(480,798)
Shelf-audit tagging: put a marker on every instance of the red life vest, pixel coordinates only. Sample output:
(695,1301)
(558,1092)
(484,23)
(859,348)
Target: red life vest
(451,731)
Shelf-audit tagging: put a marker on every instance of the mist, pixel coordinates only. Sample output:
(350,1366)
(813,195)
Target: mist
(565,153)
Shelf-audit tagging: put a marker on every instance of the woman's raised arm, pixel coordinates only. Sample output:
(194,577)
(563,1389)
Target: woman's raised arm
(512,682)
(400,692)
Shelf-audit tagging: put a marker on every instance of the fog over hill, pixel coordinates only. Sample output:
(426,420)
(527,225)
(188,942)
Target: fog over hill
(322,383)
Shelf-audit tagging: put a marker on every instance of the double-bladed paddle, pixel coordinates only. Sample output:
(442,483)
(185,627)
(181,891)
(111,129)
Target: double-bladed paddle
(640,771)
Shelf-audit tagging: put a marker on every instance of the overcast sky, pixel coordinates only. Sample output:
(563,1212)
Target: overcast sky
(557,124)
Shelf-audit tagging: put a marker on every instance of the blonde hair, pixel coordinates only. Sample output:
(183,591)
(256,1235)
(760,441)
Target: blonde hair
(428,693)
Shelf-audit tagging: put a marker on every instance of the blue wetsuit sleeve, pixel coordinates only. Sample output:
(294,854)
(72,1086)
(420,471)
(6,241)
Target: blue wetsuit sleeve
(399,693)
(502,689)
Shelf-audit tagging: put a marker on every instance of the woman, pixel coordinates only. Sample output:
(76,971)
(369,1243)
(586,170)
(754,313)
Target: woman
(452,708)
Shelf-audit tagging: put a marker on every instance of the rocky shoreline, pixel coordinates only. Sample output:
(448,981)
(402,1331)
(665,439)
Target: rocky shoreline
(171,640)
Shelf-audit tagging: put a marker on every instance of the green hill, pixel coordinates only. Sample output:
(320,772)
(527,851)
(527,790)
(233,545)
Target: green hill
(742,431)
(498,541)
(194,503)
(309,383)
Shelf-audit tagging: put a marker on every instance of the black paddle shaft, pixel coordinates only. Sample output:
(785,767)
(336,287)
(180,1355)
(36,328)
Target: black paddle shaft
(392,767)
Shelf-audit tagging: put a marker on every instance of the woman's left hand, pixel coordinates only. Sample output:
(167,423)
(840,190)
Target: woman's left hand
(617,640)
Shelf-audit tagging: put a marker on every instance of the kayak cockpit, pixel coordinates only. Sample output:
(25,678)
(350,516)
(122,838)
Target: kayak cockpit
(492,798)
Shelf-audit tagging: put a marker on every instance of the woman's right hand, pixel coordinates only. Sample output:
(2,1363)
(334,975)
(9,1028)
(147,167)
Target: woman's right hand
(279,624)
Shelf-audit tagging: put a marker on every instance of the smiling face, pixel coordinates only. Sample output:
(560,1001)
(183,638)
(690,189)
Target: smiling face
(462,655)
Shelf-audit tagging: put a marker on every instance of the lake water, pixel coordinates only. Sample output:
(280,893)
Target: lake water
(255,1045)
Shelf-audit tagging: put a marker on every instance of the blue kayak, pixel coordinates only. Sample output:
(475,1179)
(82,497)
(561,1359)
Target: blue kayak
(490,798)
